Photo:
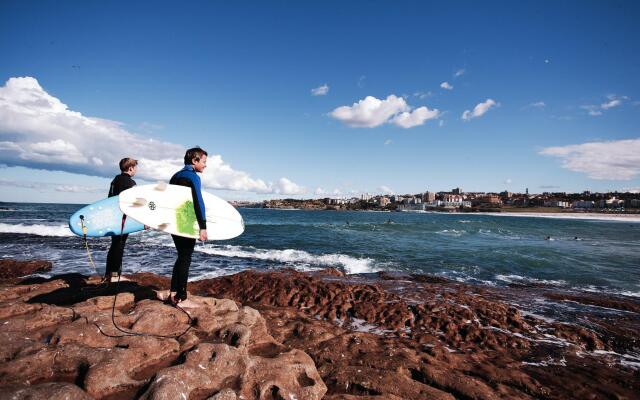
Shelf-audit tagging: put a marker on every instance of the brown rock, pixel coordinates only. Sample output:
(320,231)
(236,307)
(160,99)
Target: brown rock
(113,346)
(46,391)
(10,268)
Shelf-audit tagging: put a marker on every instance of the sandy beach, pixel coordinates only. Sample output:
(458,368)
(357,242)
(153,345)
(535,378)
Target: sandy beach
(634,218)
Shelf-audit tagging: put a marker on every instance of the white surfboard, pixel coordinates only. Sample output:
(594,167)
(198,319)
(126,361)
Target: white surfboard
(169,208)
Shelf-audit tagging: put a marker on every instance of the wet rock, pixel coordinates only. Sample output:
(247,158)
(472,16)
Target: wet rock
(426,338)
(287,334)
(114,341)
(10,268)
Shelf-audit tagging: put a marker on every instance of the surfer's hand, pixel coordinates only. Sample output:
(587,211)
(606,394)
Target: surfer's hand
(203,234)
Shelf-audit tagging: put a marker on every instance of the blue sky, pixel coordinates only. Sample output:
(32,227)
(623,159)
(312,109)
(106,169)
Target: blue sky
(554,87)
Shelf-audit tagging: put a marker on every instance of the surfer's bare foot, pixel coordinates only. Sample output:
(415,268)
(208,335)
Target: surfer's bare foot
(187,303)
(162,295)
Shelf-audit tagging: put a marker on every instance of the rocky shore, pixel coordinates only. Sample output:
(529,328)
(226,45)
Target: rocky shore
(290,335)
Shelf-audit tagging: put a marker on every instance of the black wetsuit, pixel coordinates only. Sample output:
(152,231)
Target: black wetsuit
(119,184)
(186,177)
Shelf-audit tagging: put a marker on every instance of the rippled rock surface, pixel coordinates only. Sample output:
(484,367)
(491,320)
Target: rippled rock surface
(285,335)
(72,337)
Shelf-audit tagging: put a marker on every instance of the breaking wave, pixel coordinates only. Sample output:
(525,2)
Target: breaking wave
(36,229)
(299,258)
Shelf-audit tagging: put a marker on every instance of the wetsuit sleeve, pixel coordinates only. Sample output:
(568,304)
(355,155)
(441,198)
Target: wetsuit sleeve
(198,202)
(112,188)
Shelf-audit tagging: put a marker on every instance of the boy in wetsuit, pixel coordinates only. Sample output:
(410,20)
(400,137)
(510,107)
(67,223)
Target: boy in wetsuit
(195,160)
(122,182)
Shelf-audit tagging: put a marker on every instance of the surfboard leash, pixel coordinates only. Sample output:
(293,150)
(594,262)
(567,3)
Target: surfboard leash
(113,308)
(131,333)
(86,243)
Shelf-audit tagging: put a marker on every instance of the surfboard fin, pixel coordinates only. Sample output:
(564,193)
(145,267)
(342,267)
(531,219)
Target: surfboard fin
(161,186)
(140,202)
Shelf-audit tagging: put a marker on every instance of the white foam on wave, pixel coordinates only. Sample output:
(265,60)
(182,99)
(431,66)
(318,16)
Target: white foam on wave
(298,258)
(520,279)
(597,289)
(36,229)
(452,232)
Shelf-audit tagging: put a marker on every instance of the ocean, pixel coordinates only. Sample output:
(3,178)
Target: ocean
(588,255)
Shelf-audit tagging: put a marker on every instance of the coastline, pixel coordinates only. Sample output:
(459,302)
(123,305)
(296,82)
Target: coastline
(375,336)
(635,218)
(619,217)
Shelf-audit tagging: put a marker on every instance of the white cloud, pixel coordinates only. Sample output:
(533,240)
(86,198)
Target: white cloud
(385,190)
(285,186)
(441,123)
(479,110)
(446,85)
(319,191)
(371,112)
(388,142)
(337,192)
(616,160)
(422,95)
(320,90)
(78,189)
(612,102)
(414,118)
(538,104)
(37,130)
(58,187)
(507,181)
(592,109)
(459,72)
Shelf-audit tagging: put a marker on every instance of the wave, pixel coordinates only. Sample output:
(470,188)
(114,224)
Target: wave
(523,279)
(300,258)
(36,229)
(599,289)
(452,232)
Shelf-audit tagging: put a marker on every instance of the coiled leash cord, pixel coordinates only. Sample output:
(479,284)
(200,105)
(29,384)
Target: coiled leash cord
(115,297)
(86,244)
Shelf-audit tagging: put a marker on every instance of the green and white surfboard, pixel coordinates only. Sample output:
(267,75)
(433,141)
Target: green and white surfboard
(169,208)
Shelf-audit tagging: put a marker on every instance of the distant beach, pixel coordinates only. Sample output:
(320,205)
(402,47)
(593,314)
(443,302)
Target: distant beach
(579,216)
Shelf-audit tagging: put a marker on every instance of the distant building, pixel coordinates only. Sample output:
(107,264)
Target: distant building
(586,204)
(384,201)
(556,203)
(506,194)
(428,197)
(611,203)
(456,191)
(490,199)
(633,203)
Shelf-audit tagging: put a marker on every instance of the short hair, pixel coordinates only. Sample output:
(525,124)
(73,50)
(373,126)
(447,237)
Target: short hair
(194,153)
(127,163)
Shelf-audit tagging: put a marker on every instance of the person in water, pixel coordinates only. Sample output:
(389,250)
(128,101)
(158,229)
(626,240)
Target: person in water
(195,161)
(122,182)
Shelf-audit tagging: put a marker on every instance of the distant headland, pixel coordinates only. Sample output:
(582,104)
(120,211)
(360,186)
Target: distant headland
(457,200)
